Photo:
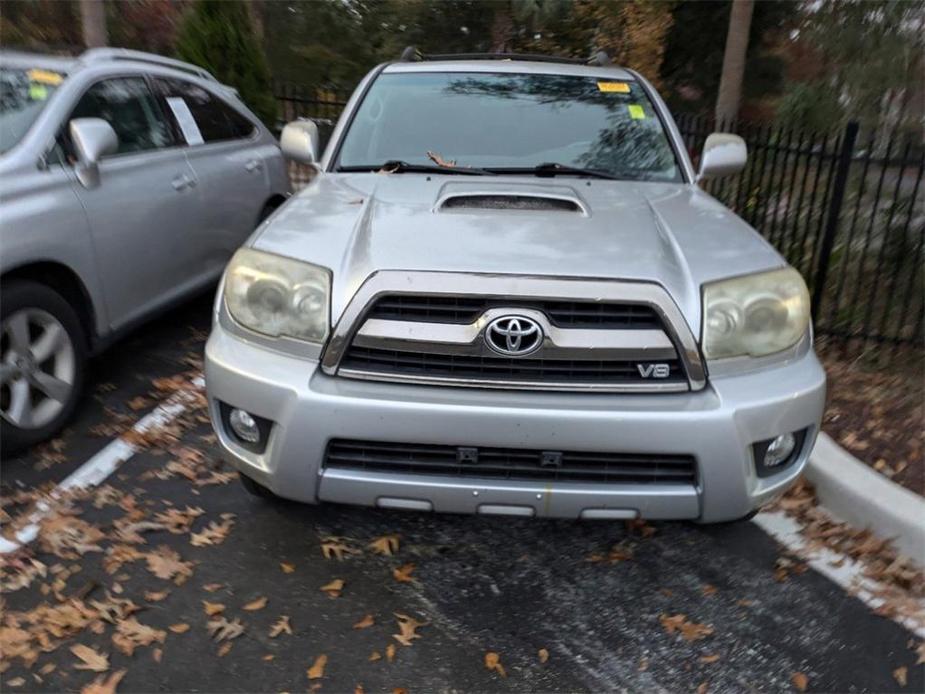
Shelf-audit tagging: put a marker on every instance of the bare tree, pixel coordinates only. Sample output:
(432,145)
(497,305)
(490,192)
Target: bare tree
(730,83)
(93,20)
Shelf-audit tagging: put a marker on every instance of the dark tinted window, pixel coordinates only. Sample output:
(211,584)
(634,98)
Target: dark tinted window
(130,108)
(216,120)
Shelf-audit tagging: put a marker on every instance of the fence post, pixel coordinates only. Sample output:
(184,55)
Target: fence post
(843,165)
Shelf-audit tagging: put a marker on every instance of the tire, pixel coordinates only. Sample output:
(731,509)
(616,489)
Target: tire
(255,489)
(38,396)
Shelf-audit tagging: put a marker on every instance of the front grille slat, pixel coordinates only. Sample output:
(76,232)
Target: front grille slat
(398,363)
(509,463)
(565,314)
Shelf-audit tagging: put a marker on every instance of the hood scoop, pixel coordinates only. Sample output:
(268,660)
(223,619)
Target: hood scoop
(463,196)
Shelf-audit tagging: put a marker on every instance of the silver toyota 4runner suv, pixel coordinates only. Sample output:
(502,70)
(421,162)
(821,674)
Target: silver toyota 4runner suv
(505,293)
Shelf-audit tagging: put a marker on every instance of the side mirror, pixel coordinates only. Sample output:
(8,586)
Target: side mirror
(723,155)
(93,139)
(300,141)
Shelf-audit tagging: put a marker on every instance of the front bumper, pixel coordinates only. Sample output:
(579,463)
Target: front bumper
(717,425)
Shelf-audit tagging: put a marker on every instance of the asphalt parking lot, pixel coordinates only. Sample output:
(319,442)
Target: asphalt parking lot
(563,606)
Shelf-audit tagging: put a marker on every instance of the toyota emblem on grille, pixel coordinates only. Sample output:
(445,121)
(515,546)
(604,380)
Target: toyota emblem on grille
(514,336)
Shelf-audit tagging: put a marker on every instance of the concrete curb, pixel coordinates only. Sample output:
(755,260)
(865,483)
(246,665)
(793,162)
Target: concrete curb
(860,495)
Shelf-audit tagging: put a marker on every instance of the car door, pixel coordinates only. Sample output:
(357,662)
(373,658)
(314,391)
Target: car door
(146,205)
(225,153)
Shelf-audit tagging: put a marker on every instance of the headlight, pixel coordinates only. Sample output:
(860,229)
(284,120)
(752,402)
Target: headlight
(278,296)
(754,315)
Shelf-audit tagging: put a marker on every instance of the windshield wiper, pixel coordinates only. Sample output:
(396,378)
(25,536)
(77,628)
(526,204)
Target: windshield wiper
(553,169)
(399,166)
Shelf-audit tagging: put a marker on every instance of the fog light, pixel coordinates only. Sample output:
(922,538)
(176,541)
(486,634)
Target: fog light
(244,426)
(779,450)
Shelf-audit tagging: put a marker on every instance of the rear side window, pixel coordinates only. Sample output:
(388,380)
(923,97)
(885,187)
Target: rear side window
(215,119)
(131,109)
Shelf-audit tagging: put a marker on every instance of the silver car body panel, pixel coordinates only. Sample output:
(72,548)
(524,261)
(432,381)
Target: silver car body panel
(136,243)
(648,242)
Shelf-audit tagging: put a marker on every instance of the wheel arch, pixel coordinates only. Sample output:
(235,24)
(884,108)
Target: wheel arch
(65,282)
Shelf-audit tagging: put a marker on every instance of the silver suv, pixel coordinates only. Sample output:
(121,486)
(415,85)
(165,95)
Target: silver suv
(128,180)
(505,293)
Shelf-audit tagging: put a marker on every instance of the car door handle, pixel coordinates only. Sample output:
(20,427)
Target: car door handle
(182,182)
(253,165)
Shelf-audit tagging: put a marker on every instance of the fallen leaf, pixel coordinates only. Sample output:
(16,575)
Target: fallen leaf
(212,587)
(255,605)
(408,627)
(166,563)
(374,656)
(493,662)
(224,649)
(152,596)
(364,623)
(643,665)
(800,681)
(901,675)
(390,652)
(709,590)
(358,689)
(690,631)
(212,608)
(180,628)
(282,626)
(104,685)
(334,588)
(90,659)
(386,545)
(16,682)
(138,403)
(48,668)
(709,658)
(224,630)
(920,651)
(130,634)
(543,655)
(332,547)
(157,654)
(403,573)
(268,657)
(213,534)
(316,671)
(286,568)
(399,690)
(702,688)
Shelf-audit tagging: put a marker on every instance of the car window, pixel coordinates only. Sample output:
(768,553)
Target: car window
(215,120)
(130,108)
(23,95)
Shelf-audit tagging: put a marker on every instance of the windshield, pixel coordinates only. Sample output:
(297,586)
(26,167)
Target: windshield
(510,121)
(23,94)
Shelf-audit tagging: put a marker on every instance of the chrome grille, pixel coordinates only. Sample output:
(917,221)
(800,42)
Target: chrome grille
(510,463)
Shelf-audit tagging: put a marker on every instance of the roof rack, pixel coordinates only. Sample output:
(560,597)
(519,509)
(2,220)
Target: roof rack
(106,54)
(413,55)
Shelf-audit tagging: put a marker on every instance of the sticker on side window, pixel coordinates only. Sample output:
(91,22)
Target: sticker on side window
(636,111)
(185,120)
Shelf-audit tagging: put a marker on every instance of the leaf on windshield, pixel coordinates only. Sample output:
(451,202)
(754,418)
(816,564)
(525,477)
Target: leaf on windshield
(440,161)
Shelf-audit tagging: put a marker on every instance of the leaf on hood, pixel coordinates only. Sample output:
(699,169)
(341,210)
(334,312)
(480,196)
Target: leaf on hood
(223,630)
(156,596)
(365,623)
(104,685)
(800,681)
(255,605)
(316,671)
(334,588)
(287,568)
(333,547)
(690,631)
(385,545)
(180,628)
(165,563)
(213,534)
(408,627)
(493,663)
(403,573)
(543,655)
(281,626)
(212,608)
(90,659)
(901,675)
(130,634)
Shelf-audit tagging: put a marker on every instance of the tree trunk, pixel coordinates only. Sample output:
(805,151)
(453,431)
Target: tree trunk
(502,28)
(255,11)
(730,82)
(93,20)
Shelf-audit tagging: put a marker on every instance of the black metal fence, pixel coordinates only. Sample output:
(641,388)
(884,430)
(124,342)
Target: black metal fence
(845,208)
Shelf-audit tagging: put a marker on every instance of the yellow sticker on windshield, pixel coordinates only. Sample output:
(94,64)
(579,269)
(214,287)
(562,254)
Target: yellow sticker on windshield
(614,87)
(636,111)
(45,76)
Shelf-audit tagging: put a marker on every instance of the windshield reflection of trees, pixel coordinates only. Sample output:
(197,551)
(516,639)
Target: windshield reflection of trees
(625,147)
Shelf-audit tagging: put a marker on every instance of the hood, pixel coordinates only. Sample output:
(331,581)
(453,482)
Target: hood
(672,234)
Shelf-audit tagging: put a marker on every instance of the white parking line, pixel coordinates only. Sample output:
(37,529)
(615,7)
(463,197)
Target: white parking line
(104,463)
(838,568)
